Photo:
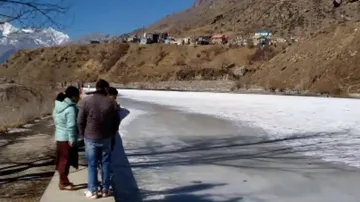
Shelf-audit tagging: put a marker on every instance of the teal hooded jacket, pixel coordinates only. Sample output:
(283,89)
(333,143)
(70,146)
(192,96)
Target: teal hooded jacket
(64,115)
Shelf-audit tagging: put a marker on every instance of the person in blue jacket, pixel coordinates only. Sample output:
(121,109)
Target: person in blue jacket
(66,134)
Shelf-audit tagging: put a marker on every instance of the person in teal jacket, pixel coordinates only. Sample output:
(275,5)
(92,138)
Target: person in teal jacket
(66,134)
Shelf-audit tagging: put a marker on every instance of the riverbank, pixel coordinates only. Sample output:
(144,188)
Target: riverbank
(183,154)
(216,86)
(22,104)
(27,159)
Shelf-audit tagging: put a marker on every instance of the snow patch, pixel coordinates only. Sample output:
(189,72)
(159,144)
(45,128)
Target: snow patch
(334,124)
(7,29)
(28,125)
(18,130)
(134,113)
(3,142)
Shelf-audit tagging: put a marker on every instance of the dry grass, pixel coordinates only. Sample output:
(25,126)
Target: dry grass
(230,17)
(24,105)
(241,83)
(327,87)
(329,67)
(25,113)
(121,63)
(300,67)
(262,54)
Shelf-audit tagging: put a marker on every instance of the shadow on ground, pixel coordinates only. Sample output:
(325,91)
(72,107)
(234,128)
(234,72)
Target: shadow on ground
(232,151)
(10,173)
(126,189)
(227,151)
(123,182)
(186,193)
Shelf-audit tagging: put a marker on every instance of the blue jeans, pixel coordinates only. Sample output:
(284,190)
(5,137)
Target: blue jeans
(97,150)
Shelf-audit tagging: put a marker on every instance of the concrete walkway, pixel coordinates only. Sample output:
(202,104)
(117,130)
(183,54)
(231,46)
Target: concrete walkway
(78,177)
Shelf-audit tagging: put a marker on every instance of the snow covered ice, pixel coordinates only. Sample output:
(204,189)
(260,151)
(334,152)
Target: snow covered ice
(332,126)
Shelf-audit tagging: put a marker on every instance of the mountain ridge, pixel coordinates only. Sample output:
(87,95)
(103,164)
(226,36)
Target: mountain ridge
(284,17)
(13,39)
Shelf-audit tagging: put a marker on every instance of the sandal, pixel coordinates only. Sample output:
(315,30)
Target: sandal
(68,187)
(105,193)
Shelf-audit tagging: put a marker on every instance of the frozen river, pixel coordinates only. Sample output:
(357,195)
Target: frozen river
(206,147)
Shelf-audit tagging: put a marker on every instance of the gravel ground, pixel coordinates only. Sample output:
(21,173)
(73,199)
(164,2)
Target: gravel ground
(26,161)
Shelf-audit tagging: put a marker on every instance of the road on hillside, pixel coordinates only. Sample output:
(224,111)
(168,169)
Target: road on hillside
(179,156)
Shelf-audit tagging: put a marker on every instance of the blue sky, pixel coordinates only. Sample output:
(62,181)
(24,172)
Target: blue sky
(117,16)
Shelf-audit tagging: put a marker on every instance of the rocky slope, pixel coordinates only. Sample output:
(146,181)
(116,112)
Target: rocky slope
(328,62)
(124,63)
(325,63)
(284,17)
(21,104)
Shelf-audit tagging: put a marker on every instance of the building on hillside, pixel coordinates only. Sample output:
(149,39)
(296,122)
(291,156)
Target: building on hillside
(149,38)
(218,39)
(94,42)
(262,37)
(145,40)
(203,40)
(187,40)
(263,33)
(263,41)
(133,39)
(170,40)
(163,37)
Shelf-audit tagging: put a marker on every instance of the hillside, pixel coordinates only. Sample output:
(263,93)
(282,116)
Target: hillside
(328,62)
(124,63)
(21,104)
(284,17)
(325,63)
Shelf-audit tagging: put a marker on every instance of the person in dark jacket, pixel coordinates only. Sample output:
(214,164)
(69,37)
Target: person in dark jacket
(64,116)
(113,93)
(98,121)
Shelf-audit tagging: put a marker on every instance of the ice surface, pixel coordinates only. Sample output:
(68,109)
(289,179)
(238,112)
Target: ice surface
(332,125)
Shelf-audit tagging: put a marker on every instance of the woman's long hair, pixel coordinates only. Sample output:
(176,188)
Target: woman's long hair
(70,92)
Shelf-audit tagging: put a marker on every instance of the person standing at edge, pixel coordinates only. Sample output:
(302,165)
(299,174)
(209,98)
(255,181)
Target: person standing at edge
(98,121)
(64,116)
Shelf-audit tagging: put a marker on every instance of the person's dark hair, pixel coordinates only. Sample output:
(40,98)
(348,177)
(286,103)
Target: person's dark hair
(102,87)
(113,91)
(70,92)
(60,97)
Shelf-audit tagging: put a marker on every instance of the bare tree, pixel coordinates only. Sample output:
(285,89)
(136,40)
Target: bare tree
(32,13)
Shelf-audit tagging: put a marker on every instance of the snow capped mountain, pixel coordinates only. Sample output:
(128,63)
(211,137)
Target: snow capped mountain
(7,29)
(13,39)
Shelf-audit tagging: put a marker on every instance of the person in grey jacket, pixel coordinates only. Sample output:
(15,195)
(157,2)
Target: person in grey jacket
(98,121)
